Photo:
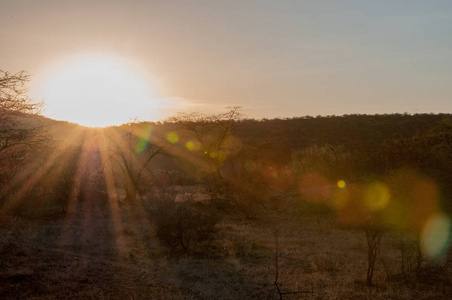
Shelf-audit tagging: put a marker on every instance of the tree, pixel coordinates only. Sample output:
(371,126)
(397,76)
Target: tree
(131,161)
(374,233)
(248,179)
(213,143)
(181,226)
(401,181)
(212,133)
(20,129)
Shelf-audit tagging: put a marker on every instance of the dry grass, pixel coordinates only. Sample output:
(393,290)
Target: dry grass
(91,255)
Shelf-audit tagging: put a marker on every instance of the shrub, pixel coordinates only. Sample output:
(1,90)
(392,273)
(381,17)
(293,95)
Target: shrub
(10,232)
(184,228)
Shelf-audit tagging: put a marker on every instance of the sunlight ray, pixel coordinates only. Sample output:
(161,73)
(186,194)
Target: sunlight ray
(75,191)
(113,200)
(33,178)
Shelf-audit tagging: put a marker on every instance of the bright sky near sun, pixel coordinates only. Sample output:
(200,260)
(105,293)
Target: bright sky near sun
(274,58)
(99,91)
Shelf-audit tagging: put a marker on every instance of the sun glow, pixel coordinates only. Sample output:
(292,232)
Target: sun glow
(99,91)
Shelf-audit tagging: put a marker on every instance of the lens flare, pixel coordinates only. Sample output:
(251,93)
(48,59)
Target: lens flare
(426,198)
(144,137)
(314,187)
(190,145)
(350,207)
(341,184)
(172,137)
(341,198)
(250,166)
(272,172)
(414,199)
(436,236)
(377,196)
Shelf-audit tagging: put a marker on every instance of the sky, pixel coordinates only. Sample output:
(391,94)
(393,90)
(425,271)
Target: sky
(273,58)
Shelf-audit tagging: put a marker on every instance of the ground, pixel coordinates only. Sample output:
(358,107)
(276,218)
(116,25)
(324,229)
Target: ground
(107,250)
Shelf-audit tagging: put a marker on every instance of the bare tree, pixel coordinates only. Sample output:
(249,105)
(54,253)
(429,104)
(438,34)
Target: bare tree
(213,136)
(20,130)
(374,233)
(276,283)
(132,164)
(212,133)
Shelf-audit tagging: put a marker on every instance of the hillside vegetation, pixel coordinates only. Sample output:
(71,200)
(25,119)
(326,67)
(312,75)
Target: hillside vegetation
(203,206)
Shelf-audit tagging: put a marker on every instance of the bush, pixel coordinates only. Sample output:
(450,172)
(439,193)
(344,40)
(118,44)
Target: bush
(11,228)
(184,228)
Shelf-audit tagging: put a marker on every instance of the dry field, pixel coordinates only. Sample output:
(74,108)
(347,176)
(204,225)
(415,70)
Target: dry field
(104,250)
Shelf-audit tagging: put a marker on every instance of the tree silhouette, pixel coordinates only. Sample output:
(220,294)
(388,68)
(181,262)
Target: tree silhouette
(20,129)
(132,165)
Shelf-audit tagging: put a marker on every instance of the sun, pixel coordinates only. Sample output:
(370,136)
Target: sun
(98,91)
